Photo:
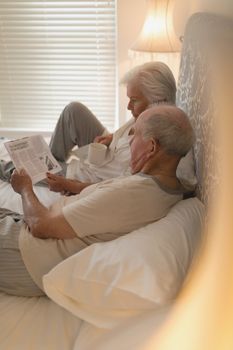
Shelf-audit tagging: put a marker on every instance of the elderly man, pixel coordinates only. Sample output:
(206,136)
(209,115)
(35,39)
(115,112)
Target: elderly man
(32,245)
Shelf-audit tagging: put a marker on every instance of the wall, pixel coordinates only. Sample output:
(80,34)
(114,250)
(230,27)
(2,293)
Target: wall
(183,9)
(131,15)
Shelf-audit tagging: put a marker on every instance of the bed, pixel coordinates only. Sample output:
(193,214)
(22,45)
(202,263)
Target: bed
(106,296)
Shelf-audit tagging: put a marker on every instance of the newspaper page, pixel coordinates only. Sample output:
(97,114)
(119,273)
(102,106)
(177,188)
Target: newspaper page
(32,154)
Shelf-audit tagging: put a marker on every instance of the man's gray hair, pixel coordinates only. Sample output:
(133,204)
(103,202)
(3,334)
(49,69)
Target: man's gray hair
(155,81)
(174,134)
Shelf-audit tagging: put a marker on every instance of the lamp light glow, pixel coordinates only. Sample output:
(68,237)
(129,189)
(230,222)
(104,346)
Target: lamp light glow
(157,34)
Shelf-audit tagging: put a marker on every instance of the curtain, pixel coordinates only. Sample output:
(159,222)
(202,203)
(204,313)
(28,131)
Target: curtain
(52,53)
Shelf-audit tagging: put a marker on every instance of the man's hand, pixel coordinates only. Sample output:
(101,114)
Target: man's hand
(106,140)
(20,181)
(58,183)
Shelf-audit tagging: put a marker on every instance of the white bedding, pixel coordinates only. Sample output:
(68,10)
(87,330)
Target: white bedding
(35,323)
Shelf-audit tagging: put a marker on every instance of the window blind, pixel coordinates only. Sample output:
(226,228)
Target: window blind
(52,53)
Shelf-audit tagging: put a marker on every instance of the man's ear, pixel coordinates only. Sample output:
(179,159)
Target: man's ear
(154,144)
(152,148)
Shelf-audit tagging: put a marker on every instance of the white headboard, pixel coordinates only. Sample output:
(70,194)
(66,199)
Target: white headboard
(195,94)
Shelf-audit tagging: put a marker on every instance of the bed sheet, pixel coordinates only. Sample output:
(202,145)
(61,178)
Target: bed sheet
(36,323)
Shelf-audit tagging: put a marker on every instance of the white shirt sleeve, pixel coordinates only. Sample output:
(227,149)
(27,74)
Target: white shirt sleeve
(117,207)
(102,211)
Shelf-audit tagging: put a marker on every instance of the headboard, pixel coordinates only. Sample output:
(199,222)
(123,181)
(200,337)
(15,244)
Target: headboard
(196,95)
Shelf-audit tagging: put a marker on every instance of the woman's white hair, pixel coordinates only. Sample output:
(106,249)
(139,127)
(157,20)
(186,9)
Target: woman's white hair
(171,127)
(155,81)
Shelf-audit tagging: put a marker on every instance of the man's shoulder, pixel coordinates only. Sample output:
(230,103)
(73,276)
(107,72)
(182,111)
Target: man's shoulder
(129,180)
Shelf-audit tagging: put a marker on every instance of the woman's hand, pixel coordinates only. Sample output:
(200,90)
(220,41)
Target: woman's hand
(105,140)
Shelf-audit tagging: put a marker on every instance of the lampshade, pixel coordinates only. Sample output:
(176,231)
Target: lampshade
(157,34)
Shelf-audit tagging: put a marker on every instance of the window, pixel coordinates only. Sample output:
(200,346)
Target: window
(52,53)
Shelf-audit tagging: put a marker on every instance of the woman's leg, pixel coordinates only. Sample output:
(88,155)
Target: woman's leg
(76,125)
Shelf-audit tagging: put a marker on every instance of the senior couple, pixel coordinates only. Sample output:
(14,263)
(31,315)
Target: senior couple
(109,202)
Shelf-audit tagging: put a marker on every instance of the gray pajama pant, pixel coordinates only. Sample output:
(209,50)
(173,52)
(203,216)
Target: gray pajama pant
(76,125)
(14,277)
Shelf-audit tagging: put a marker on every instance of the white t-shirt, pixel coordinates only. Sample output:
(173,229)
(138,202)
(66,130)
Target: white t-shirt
(101,212)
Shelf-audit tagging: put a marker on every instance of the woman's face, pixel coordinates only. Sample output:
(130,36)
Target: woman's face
(137,102)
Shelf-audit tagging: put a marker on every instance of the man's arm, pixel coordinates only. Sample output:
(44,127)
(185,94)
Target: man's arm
(42,222)
(66,186)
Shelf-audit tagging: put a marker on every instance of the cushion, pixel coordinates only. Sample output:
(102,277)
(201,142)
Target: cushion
(144,270)
(186,171)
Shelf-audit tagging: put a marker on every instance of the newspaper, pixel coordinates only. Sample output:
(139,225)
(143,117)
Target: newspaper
(32,154)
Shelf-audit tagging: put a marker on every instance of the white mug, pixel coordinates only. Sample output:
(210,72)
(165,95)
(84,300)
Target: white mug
(96,153)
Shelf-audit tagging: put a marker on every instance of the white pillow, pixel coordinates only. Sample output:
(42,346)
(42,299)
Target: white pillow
(109,282)
(186,171)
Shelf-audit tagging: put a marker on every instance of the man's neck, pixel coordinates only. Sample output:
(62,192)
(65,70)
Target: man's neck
(162,167)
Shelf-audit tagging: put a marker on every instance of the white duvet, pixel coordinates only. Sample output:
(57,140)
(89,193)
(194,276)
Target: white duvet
(35,323)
